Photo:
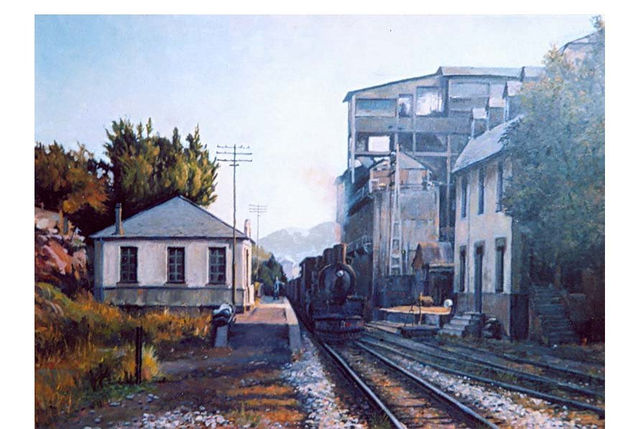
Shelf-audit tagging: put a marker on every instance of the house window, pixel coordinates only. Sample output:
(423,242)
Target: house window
(129,264)
(176,265)
(482,179)
(429,101)
(462,268)
(464,195)
(404,105)
(500,250)
(499,186)
(217,265)
(376,107)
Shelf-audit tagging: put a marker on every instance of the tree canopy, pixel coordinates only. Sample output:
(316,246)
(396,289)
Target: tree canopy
(141,169)
(556,192)
(68,181)
(268,270)
(147,168)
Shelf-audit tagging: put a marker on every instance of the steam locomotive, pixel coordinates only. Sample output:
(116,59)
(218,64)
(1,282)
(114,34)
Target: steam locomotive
(325,296)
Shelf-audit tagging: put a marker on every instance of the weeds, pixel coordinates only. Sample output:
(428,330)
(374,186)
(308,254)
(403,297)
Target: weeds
(83,348)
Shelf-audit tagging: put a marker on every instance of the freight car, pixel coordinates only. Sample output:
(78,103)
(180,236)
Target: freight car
(324,296)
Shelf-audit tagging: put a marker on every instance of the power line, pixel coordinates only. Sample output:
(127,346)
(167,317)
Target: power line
(234,163)
(259,209)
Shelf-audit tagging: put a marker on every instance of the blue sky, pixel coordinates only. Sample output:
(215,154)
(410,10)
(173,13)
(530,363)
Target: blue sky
(275,83)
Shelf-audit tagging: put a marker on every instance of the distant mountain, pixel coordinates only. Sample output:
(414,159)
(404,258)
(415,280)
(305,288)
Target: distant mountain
(291,245)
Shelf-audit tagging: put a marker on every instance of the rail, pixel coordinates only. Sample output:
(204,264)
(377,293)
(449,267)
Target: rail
(415,356)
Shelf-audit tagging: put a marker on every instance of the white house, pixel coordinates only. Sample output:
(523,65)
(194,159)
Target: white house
(174,254)
(489,255)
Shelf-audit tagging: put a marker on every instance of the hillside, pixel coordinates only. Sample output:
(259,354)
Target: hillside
(291,245)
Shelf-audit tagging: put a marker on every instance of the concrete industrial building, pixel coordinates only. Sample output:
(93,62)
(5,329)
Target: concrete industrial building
(428,120)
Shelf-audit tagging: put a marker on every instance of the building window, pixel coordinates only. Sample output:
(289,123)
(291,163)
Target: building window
(464,195)
(376,107)
(404,105)
(500,244)
(499,186)
(462,268)
(217,265)
(129,264)
(176,264)
(482,179)
(469,90)
(429,101)
(378,143)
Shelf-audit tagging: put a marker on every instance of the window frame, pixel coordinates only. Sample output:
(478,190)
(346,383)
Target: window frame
(499,186)
(170,278)
(464,198)
(482,189)
(402,97)
(500,250)
(438,110)
(219,281)
(365,113)
(129,266)
(462,268)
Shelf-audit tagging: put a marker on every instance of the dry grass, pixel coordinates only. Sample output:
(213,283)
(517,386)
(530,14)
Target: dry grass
(82,346)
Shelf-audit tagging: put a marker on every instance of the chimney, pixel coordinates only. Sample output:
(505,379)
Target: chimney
(247,228)
(118,216)
(340,253)
(328,256)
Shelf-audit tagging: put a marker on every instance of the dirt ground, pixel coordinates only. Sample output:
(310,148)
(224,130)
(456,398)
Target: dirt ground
(242,383)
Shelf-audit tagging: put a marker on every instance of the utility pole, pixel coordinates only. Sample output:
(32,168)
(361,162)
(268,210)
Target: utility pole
(395,242)
(259,209)
(234,163)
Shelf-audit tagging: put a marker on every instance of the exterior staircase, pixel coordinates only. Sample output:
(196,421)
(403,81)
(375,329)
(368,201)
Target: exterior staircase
(464,324)
(550,314)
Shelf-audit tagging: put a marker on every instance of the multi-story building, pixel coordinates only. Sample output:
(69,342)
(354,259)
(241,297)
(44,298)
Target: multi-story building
(491,274)
(366,209)
(428,120)
(490,266)
(431,118)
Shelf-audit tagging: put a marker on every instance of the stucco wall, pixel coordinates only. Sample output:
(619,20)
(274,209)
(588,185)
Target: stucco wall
(152,287)
(482,228)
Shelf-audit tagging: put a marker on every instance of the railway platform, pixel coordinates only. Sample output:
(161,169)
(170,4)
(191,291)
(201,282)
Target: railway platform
(270,324)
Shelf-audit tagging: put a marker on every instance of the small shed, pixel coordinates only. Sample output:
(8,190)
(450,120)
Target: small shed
(433,268)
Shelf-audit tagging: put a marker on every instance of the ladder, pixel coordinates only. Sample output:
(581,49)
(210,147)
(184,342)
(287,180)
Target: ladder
(395,241)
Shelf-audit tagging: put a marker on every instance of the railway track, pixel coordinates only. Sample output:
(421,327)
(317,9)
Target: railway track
(406,400)
(560,372)
(443,362)
(483,366)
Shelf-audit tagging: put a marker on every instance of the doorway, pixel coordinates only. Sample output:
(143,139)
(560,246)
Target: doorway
(479,257)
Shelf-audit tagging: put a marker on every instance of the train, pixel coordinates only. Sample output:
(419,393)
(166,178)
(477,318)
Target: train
(325,296)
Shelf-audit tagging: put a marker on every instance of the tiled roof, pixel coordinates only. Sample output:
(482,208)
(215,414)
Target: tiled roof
(483,146)
(175,218)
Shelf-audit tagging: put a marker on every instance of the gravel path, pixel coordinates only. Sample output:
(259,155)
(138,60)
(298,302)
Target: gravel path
(316,392)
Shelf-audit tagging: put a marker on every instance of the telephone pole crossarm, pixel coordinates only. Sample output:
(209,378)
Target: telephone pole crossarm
(233,162)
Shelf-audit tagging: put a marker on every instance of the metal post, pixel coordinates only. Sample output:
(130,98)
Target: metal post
(139,353)
(234,224)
